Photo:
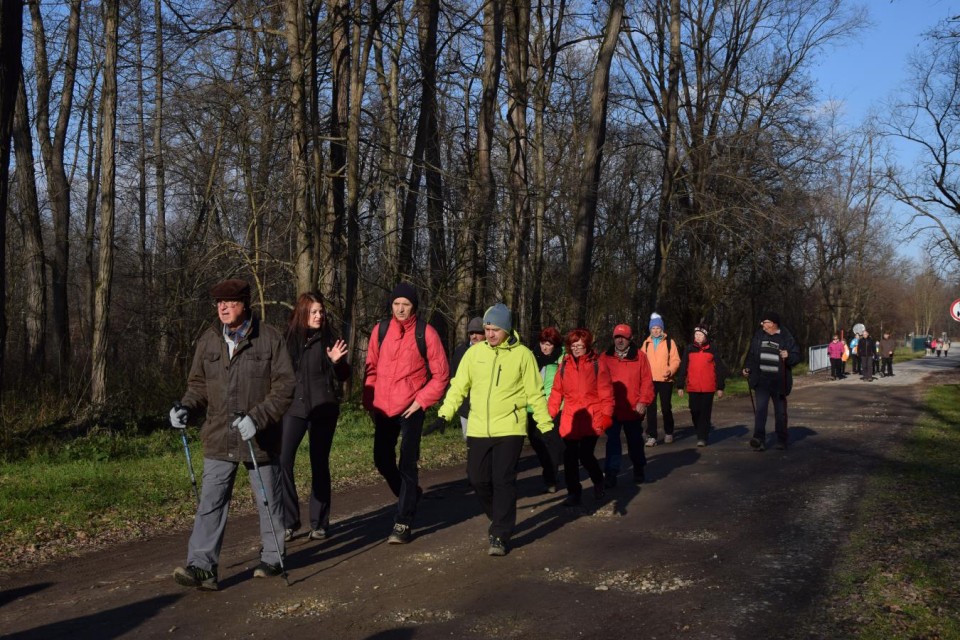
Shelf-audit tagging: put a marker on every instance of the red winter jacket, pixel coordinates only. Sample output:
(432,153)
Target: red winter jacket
(583,390)
(701,369)
(395,374)
(632,382)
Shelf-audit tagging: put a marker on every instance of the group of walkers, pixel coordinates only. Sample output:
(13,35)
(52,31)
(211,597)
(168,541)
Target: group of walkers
(871,357)
(938,346)
(262,391)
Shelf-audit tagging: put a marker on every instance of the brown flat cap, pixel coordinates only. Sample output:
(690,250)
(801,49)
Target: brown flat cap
(231,290)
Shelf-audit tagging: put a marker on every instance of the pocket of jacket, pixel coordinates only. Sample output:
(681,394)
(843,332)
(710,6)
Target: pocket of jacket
(260,365)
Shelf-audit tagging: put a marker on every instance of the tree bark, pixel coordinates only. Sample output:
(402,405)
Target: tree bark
(582,251)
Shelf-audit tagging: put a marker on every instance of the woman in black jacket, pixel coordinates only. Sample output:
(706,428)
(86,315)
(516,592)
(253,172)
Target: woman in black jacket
(320,363)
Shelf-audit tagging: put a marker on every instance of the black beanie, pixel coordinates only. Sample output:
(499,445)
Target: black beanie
(772,316)
(405,290)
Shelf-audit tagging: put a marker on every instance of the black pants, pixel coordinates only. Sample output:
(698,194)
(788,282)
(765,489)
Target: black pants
(662,391)
(836,368)
(856,364)
(321,423)
(492,470)
(764,396)
(403,479)
(547,446)
(701,410)
(887,366)
(575,453)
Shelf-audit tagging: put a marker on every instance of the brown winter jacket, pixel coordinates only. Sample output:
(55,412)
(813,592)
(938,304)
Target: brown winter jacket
(258,380)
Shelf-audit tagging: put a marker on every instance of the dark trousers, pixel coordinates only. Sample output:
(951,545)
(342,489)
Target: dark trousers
(856,364)
(662,391)
(635,448)
(836,367)
(866,367)
(492,470)
(403,478)
(701,409)
(575,453)
(547,448)
(887,368)
(321,423)
(764,396)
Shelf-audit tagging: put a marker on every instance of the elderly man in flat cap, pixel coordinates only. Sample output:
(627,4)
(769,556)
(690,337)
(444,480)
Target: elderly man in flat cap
(242,376)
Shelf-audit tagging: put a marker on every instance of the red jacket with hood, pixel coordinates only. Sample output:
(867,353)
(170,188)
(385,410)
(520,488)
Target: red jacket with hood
(632,382)
(582,389)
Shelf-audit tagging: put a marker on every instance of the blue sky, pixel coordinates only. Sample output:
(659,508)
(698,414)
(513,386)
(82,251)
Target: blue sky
(862,74)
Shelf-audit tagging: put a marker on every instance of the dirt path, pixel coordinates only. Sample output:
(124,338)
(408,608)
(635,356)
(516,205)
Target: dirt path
(722,542)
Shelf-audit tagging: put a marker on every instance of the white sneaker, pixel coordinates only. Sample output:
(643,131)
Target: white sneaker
(651,442)
(667,439)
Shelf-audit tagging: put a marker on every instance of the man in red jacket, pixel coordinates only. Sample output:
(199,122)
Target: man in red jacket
(632,392)
(400,383)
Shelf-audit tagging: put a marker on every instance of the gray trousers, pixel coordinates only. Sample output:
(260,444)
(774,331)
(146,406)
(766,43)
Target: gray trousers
(211,521)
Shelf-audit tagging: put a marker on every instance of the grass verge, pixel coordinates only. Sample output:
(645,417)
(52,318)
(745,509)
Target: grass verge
(107,487)
(898,575)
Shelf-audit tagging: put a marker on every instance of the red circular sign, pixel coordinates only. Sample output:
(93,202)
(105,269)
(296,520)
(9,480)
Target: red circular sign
(955,310)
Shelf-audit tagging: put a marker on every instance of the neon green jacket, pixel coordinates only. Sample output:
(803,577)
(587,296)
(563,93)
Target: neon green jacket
(501,381)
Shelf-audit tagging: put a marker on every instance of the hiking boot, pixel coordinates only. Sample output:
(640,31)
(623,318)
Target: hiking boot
(701,443)
(651,442)
(610,481)
(288,534)
(191,576)
(497,547)
(321,533)
(267,570)
(401,534)
(757,444)
(572,500)
(668,439)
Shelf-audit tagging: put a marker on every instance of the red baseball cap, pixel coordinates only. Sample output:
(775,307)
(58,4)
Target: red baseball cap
(623,330)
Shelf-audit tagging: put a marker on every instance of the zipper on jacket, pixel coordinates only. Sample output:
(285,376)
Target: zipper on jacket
(499,371)
(496,354)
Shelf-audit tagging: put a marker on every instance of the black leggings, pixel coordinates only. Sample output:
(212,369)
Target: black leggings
(321,424)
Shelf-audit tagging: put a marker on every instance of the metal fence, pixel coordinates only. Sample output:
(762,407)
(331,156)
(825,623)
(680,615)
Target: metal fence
(817,358)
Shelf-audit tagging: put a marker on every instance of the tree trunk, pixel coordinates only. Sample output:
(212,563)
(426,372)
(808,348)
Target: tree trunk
(104,286)
(36,275)
(582,250)
(11,41)
(52,146)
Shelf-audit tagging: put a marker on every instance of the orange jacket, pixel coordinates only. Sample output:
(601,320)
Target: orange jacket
(664,358)
(583,390)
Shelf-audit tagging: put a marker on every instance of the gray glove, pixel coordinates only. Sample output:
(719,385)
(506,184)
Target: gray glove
(246,426)
(178,416)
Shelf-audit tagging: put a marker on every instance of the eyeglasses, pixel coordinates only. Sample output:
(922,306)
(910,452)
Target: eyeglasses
(230,304)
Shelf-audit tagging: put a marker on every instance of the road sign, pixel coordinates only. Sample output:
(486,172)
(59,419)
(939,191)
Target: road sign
(955,310)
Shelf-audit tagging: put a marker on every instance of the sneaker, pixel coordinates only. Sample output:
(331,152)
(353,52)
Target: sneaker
(401,534)
(668,439)
(267,570)
(497,547)
(550,488)
(288,534)
(638,477)
(572,500)
(701,443)
(319,534)
(757,444)
(610,481)
(191,576)
(651,442)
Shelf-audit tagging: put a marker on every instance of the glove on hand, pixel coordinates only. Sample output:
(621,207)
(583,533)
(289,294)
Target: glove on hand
(178,416)
(437,425)
(246,426)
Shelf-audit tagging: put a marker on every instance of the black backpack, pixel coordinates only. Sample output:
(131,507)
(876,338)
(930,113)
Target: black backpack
(420,333)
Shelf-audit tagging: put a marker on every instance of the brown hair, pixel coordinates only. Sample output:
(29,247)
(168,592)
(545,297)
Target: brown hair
(551,335)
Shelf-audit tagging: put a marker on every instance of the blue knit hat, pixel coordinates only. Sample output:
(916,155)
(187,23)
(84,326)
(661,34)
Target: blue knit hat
(656,320)
(499,316)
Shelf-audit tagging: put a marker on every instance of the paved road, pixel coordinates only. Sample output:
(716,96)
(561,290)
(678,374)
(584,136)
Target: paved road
(722,542)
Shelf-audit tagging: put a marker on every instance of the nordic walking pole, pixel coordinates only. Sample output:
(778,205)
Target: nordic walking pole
(186,450)
(266,504)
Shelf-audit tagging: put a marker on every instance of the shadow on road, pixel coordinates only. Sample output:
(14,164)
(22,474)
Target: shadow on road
(9,595)
(111,623)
